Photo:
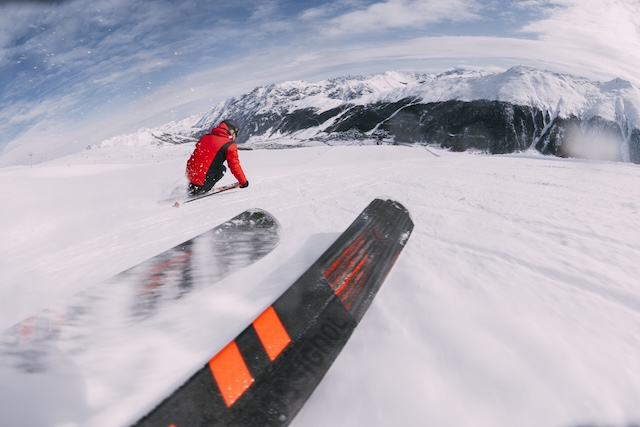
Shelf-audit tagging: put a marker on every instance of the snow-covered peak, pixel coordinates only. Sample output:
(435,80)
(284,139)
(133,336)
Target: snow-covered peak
(146,137)
(554,94)
(562,94)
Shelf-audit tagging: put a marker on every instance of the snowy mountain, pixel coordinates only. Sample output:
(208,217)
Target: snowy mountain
(520,109)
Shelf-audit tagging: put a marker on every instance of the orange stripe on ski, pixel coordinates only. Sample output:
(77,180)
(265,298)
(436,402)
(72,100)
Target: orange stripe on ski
(342,278)
(272,334)
(231,373)
(338,278)
(344,256)
(156,277)
(347,281)
(355,287)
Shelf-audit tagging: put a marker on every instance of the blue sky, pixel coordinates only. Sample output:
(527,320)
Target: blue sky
(75,72)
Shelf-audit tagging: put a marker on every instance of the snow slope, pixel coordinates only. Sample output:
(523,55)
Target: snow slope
(515,302)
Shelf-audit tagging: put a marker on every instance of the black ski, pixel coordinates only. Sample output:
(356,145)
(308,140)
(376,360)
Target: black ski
(207,194)
(267,373)
(70,341)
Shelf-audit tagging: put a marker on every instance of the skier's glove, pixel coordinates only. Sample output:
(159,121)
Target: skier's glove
(245,185)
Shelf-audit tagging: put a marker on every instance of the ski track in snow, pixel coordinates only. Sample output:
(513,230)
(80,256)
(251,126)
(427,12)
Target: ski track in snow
(515,302)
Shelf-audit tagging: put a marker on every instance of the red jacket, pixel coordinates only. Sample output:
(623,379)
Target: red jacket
(211,152)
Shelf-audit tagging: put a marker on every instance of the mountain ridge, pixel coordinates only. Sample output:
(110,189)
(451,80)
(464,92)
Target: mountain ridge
(497,112)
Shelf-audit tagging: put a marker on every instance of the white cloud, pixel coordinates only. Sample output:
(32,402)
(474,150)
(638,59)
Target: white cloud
(602,33)
(603,21)
(266,11)
(403,14)
(22,112)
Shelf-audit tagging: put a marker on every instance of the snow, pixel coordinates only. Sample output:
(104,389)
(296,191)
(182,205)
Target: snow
(515,301)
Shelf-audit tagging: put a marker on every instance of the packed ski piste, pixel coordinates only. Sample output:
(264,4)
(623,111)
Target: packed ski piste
(310,298)
(265,375)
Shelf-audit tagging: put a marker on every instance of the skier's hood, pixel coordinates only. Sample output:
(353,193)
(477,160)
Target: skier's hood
(221,130)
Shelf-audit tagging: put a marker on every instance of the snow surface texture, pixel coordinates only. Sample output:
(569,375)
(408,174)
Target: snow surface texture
(515,302)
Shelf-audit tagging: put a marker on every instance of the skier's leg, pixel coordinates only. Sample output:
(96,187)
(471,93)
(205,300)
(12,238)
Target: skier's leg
(211,179)
(195,190)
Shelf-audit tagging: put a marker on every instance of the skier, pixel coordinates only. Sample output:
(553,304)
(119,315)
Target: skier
(205,166)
